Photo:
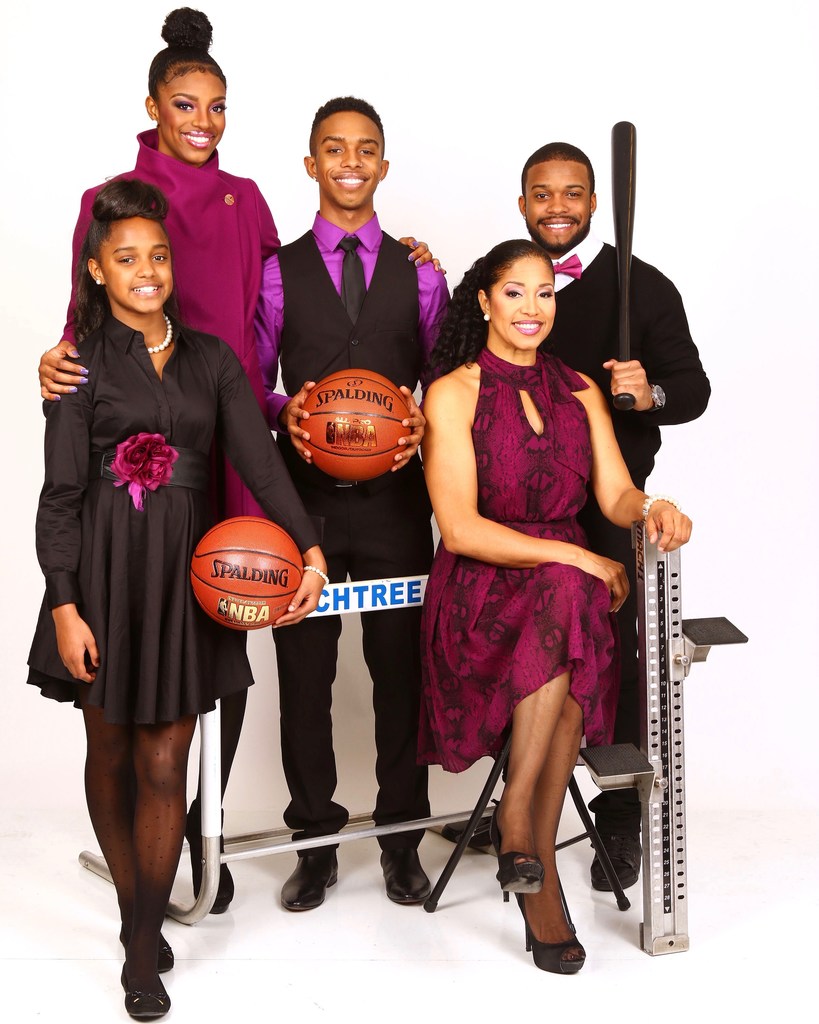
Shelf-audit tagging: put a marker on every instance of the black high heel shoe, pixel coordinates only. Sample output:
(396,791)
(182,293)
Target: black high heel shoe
(548,956)
(517,872)
(193,833)
(144,1005)
(164,954)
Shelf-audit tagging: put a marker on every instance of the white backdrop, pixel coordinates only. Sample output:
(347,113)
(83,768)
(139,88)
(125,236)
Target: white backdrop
(723,97)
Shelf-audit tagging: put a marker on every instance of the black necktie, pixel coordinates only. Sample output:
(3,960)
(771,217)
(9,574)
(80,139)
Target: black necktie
(353,288)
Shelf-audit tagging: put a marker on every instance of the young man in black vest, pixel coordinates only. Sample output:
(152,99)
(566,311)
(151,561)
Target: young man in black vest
(344,296)
(665,376)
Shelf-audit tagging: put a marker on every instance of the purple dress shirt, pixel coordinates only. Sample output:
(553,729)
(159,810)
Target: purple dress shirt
(433,297)
(221,230)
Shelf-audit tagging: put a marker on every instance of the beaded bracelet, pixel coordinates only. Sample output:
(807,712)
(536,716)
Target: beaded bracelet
(324,576)
(651,498)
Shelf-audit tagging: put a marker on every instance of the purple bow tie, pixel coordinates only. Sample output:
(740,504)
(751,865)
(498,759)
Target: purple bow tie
(572,267)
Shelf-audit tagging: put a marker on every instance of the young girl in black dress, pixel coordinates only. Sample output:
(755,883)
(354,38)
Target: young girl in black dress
(123,505)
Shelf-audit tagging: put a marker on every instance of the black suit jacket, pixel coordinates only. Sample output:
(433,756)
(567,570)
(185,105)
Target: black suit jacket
(585,335)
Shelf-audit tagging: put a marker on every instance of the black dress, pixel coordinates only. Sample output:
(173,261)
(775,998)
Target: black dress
(127,570)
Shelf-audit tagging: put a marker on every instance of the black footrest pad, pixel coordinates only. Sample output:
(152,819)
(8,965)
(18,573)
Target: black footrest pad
(618,759)
(712,632)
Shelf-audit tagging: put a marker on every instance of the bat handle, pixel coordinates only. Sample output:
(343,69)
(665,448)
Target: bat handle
(624,402)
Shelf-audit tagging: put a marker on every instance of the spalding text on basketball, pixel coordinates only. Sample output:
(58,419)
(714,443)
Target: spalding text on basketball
(354,394)
(231,571)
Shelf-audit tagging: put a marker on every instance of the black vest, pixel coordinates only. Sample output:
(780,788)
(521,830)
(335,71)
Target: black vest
(318,337)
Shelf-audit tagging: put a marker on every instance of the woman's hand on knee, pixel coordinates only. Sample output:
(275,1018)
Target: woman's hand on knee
(612,573)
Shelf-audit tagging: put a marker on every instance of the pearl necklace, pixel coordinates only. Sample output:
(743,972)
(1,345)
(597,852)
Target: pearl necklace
(168,338)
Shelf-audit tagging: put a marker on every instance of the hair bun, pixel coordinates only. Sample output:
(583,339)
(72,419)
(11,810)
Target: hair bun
(186,28)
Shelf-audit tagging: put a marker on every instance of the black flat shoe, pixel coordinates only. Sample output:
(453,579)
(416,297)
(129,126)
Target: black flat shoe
(144,1005)
(517,872)
(193,833)
(307,887)
(551,956)
(405,880)
(626,855)
(164,956)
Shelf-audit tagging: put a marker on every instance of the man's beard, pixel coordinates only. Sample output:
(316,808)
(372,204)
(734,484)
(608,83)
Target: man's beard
(561,250)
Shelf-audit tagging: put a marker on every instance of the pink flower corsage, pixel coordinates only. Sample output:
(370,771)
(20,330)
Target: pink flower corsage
(144,462)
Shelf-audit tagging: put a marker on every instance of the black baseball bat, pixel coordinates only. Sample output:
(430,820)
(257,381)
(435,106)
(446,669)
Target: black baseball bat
(623,190)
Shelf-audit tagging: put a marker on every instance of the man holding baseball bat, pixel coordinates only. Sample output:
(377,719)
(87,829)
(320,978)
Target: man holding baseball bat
(663,374)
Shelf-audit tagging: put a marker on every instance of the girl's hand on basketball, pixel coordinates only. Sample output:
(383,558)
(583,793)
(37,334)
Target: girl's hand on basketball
(612,573)
(75,643)
(293,415)
(59,375)
(307,597)
(414,422)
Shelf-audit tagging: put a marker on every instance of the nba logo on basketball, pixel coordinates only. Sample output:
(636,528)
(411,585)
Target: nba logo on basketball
(245,615)
(349,434)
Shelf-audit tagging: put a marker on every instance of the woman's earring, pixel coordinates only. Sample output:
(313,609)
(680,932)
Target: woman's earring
(98,280)
(486,316)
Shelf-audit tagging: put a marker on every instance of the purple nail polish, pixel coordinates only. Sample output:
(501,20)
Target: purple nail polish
(72,391)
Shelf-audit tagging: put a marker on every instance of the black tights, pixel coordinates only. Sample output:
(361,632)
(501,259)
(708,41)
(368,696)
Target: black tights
(135,777)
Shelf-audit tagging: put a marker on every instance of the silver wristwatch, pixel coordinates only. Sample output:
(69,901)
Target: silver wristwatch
(657,396)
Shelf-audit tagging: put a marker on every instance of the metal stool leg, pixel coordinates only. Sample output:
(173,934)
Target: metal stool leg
(594,837)
(431,903)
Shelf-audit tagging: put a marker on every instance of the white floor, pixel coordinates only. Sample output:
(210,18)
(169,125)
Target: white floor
(752,909)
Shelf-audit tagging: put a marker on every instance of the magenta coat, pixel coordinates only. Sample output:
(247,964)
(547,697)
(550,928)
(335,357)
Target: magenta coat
(221,230)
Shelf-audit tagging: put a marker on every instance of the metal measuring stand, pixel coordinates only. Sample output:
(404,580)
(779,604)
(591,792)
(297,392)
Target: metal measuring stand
(669,645)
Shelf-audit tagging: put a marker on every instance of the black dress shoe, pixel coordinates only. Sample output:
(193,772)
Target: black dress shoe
(307,887)
(626,855)
(453,830)
(404,878)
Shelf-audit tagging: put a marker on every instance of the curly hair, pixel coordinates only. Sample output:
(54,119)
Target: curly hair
(463,331)
(116,201)
(189,35)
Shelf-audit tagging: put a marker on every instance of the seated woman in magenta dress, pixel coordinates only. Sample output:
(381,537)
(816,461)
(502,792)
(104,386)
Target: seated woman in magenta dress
(518,628)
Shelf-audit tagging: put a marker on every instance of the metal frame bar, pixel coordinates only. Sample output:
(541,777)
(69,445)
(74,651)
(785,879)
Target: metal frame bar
(666,654)
(337,599)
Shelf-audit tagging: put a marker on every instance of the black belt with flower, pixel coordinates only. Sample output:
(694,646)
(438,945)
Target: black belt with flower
(145,462)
